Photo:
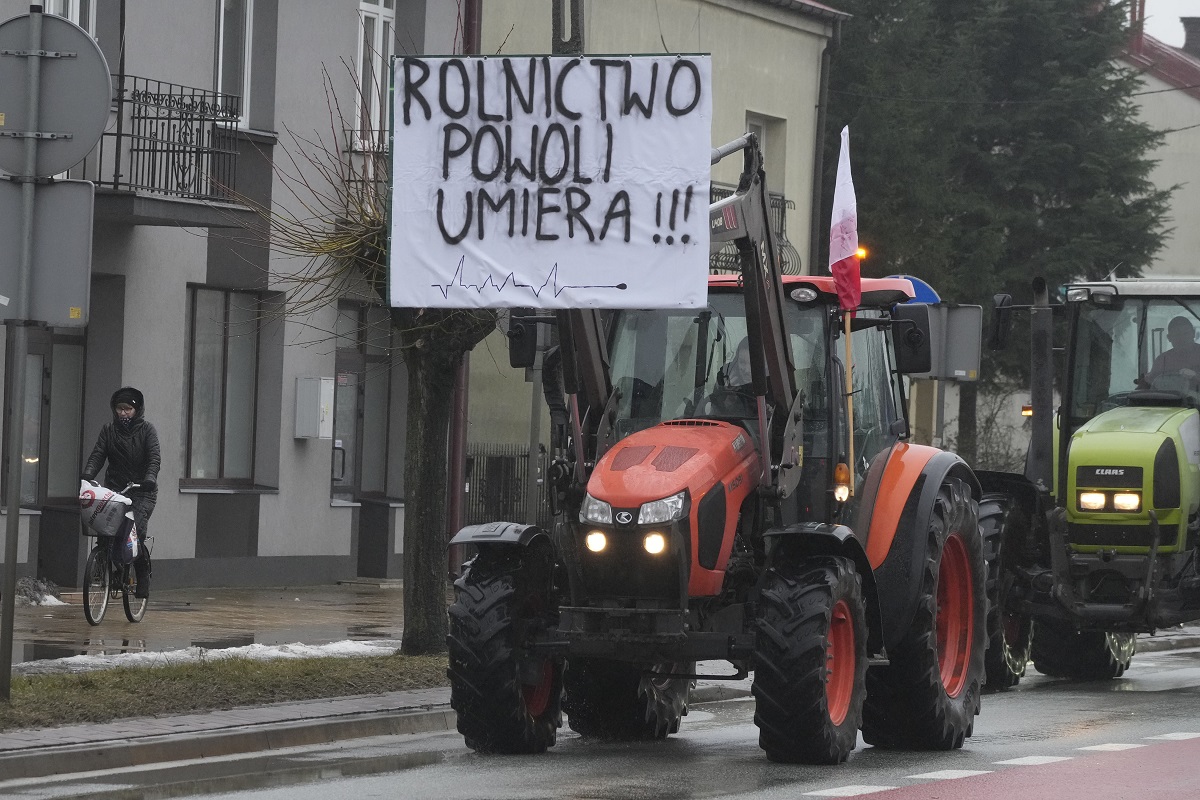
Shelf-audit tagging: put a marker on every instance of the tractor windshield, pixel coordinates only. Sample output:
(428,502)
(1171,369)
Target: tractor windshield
(688,364)
(1132,344)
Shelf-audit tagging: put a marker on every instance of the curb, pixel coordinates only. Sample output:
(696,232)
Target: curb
(47,762)
(1158,644)
(41,762)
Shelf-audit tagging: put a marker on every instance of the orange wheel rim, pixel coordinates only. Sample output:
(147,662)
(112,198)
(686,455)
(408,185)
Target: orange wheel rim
(955,615)
(840,667)
(537,695)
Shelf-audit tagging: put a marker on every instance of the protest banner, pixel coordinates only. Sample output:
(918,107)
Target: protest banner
(550,182)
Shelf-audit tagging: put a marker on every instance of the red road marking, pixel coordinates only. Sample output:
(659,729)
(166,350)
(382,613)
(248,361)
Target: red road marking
(1159,771)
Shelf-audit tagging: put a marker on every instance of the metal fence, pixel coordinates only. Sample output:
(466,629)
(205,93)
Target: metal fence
(170,139)
(726,259)
(497,476)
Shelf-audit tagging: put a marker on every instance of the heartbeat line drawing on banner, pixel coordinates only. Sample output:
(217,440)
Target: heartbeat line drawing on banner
(511,280)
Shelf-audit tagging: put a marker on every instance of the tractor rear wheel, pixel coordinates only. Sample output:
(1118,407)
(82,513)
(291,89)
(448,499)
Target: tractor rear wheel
(507,698)
(810,658)
(615,700)
(1010,633)
(1063,652)
(927,696)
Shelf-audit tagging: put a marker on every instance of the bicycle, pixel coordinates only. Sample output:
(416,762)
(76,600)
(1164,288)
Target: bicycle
(105,579)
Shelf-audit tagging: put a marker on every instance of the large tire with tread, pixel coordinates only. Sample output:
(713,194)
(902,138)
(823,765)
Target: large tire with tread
(1010,634)
(1060,651)
(810,660)
(507,698)
(927,696)
(614,700)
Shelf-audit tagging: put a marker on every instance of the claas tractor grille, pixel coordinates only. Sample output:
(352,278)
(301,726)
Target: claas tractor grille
(1118,535)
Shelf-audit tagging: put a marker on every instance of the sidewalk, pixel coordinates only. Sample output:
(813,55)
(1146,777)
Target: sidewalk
(30,757)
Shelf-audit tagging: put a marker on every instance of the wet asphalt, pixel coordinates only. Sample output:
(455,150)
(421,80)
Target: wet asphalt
(215,619)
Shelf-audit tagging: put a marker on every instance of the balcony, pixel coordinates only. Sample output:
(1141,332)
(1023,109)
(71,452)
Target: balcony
(168,156)
(726,261)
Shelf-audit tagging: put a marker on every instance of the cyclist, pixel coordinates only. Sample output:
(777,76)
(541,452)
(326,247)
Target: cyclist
(130,446)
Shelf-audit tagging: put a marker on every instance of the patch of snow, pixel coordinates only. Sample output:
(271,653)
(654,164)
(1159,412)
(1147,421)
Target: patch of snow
(258,652)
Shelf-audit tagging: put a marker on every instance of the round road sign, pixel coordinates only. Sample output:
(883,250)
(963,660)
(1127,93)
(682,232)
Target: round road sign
(73,101)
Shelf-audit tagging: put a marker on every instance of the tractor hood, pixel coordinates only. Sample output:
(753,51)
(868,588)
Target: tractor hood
(664,460)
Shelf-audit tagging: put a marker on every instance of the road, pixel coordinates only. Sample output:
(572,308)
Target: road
(1138,737)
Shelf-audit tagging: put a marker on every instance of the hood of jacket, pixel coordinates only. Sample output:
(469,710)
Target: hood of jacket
(130,395)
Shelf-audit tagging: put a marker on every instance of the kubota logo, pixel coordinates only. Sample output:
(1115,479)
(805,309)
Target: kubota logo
(624,517)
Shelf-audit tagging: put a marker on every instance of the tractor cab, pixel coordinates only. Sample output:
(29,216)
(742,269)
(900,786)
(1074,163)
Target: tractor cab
(1135,345)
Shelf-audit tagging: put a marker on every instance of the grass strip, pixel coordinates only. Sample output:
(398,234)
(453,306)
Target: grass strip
(103,695)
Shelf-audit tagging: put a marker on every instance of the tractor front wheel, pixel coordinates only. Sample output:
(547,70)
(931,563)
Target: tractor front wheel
(506,696)
(810,658)
(1060,651)
(1010,633)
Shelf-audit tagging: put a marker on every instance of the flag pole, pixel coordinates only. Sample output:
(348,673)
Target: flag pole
(849,398)
(844,255)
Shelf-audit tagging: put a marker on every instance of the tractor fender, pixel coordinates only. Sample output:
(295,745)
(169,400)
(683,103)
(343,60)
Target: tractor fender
(506,533)
(806,539)
(896,514)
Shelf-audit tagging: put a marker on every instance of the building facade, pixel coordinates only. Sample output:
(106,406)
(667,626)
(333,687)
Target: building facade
(282,424)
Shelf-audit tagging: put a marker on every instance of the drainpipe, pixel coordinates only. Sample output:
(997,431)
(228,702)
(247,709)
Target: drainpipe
(815,238)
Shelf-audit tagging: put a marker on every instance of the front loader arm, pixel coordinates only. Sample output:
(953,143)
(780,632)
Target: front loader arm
(743,218)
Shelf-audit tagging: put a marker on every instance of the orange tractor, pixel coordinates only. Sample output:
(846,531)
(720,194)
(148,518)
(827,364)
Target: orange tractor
(718,499)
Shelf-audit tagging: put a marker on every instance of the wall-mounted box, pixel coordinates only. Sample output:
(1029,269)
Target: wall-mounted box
(314,408)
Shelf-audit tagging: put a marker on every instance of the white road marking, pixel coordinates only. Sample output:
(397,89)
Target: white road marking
(1111,748)
(1174,737)
(848,791)
(950,774)
(1033,761)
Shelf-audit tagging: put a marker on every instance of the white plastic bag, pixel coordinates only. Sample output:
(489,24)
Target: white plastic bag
(103,510)
(125,546)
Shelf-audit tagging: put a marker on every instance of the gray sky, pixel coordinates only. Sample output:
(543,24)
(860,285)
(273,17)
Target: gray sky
(1162,19)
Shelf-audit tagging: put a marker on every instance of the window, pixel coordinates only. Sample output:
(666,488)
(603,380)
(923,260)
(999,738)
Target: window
(222,389)
(233,67)
(374,62)
(81,12)
(772,141)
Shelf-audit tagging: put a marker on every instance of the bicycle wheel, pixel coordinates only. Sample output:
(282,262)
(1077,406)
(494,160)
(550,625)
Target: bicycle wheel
(135,607)
(95,584)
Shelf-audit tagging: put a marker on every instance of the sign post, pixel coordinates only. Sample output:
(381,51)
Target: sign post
(51,56)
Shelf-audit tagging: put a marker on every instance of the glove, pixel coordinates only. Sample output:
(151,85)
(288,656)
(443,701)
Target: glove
(149,485)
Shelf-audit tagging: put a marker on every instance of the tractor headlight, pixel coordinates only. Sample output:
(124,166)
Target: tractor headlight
(668,509)
(596,541)
(654,543)
(1091,501)
(595,511)
(1127,501)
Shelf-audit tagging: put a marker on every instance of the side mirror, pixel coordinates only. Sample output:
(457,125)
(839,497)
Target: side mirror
(914,348)
(1001,322)
(522,339)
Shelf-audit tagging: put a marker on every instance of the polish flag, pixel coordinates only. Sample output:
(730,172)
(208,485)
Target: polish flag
(843,232)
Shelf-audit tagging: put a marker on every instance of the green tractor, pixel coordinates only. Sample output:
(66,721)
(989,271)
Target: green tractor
(1097,541)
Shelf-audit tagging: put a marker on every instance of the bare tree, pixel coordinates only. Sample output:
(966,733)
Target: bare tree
(339,229)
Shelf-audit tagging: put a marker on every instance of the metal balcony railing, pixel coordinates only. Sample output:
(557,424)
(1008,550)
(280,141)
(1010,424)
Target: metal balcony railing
(725,260)
(168,139)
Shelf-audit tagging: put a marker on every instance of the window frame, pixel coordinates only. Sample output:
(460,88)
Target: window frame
(243,91)
(222,480)
(371,124)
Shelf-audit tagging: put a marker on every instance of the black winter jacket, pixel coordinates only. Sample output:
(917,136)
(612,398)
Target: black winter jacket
(132,453)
